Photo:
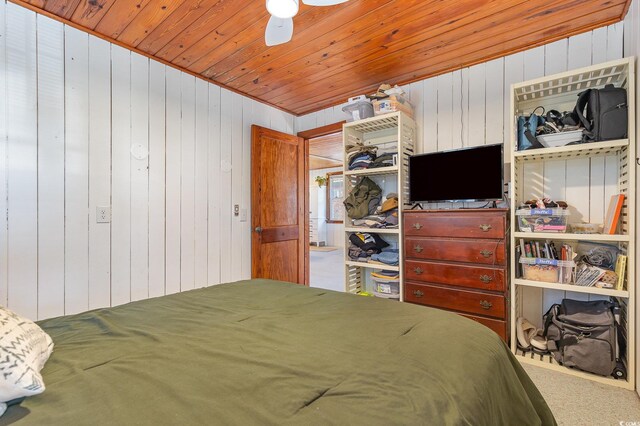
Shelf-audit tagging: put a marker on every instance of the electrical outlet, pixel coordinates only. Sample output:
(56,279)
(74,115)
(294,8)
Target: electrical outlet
(103,214)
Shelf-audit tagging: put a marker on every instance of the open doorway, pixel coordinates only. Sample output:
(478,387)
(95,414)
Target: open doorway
(326,193)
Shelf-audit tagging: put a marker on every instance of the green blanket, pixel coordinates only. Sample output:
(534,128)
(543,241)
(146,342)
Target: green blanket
(267,352)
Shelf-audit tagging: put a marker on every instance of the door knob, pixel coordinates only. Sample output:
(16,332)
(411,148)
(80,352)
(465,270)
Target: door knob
(258,229)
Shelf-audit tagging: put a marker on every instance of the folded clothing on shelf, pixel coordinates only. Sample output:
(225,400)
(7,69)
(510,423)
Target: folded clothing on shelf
(365,245)
(362,160)
(385,275)
(384,160)
(389,257)
(363,199)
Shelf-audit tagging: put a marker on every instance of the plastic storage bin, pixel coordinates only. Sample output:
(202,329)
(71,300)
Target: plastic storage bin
(542,220)
(553,140)
(393,103)
(358,110)
(547,270)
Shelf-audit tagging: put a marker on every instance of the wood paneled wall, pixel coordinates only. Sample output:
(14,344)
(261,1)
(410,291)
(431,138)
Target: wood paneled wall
(71,108)
(632,48)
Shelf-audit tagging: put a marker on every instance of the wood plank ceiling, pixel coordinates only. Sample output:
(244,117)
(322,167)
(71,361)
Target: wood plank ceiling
(336,51)
(325,151)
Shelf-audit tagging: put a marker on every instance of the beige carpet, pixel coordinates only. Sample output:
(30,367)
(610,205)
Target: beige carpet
(577,401)
(325,248)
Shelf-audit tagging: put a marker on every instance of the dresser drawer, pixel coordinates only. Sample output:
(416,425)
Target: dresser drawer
(498,326)
(477,277)
(487,252)
(464,301)
(457,225)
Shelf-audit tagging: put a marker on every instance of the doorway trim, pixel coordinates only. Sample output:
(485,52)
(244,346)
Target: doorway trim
(306,135)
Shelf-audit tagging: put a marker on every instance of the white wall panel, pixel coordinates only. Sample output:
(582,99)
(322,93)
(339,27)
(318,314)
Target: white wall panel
(214,187)
(187,189)
(157,147)
(99,171)
(139,171)
(76,171)
(23,156)
(173,177)
(120,175)
(4,165)
(201,182)
(50,167)
(78,106)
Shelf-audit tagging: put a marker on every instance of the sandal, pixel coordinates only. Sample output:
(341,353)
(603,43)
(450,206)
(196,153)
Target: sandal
(524,332)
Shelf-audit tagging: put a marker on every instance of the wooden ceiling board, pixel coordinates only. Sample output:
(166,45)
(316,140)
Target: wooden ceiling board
(147,20)
(444,43)
(443,56)
(309,36)
(89,12)
(329,146)
(320,63)
(124,12)
(336,51)
(316,163)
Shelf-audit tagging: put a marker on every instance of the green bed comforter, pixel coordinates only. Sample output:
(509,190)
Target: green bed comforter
(266,352)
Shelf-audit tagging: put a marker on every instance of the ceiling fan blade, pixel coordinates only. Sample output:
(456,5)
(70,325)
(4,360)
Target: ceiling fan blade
(323,2)
(278,31)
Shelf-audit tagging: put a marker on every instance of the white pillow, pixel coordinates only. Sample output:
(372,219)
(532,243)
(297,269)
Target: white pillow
(24,348)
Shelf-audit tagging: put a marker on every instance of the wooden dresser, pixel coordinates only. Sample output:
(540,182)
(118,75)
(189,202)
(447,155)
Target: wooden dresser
(457,260)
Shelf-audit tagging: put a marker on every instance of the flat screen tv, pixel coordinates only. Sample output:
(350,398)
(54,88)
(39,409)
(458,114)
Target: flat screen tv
(470,174)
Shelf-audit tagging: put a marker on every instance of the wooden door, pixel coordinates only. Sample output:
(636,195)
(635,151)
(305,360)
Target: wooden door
(278,205)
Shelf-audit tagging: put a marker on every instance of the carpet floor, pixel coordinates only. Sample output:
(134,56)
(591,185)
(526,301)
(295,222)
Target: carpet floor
(577,401)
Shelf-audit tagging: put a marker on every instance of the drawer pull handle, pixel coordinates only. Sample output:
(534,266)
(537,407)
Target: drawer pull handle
(418,293)
(417,226)
(486,279)
(486,305)
(418,249)
(418,271)
(485,228)
(486,253)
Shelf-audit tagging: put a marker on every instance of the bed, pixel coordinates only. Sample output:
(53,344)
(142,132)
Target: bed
(268,352)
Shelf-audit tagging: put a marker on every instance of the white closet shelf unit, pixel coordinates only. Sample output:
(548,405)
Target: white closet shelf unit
(531,299)
(395,132)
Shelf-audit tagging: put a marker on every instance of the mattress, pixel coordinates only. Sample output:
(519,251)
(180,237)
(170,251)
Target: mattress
(268,352)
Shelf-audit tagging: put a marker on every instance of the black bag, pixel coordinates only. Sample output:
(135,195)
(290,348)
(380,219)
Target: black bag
(583,335)
(606,116)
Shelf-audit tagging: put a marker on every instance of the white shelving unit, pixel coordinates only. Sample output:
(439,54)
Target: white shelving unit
(395,131)
(588,173)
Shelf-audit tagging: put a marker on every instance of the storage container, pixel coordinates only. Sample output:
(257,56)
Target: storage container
(547,270)
(388,288)
(394,103)
(553,140)
(358,110)
(542,220)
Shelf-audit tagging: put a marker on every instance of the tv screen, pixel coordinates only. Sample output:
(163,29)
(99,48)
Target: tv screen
(470,174)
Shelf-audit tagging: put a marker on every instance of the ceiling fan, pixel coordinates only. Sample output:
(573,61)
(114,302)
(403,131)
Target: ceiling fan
(280,27)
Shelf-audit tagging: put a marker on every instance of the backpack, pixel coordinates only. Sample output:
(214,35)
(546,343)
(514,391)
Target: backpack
(363,199)
(606,116)
(527,127)
(583,335)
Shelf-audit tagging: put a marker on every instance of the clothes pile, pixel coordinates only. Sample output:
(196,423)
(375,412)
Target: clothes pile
(386,215)
(360,156)
(364,245)
(363,200)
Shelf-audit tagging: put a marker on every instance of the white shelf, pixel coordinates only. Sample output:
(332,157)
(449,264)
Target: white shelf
(572,287)
(373,266)
(371,172)
(374,124)
(559,236)
(583,150)
(547,361)
(372,230)
(550,171)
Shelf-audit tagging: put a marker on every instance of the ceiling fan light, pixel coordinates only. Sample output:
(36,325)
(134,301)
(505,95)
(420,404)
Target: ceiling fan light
(282,8)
